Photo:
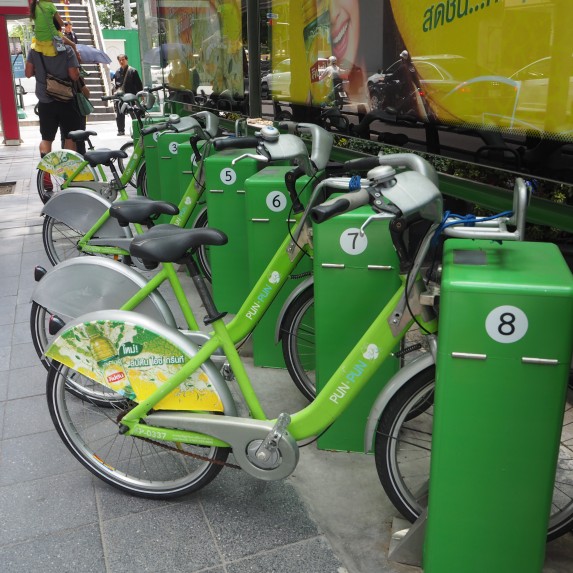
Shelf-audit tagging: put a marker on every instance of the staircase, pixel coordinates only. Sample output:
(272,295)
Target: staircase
(82,18)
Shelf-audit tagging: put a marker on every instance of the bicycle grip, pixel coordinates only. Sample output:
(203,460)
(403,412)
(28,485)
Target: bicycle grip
(108,98)
(156,127)
(235,143)
(361,164)
(339,205)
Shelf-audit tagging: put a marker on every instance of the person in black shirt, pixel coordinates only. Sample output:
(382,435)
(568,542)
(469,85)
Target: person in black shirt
(69,33)
(126,80)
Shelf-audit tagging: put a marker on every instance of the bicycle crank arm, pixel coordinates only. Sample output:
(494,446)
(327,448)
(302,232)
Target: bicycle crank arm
(245,437)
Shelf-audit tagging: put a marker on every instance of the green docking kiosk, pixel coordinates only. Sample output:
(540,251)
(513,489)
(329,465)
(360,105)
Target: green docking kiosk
(506,333)
(355,275)
(268,210)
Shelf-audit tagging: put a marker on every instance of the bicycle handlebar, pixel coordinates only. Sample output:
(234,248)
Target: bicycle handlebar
(339,205)
(235,143)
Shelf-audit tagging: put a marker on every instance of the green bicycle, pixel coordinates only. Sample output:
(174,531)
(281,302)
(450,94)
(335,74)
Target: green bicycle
(78,223)
(64,169)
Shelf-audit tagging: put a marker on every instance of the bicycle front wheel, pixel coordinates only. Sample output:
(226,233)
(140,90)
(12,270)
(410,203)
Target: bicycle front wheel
(153,469)
(48,185)
(60,240)
(122,163)
(298,343)
(142,180)
(403,448)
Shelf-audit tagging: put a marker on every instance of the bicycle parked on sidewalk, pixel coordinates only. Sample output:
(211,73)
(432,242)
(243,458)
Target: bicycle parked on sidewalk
(78,222)
(62,169)
(178,421)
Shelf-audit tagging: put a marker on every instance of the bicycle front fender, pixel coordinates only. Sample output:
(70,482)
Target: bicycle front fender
(80,209)
(308,283)
(141,354)
(64,163)
(88,284)
(395,383)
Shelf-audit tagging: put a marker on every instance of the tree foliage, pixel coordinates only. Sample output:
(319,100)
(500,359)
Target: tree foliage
(111,15)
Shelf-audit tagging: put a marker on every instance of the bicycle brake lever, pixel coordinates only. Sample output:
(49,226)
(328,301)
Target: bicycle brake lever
(254,156)
(376,217)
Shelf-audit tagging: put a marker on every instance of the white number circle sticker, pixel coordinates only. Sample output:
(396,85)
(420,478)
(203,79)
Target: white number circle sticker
(506,324)
(173,147)
(352,242)
(228,176)
(276,201)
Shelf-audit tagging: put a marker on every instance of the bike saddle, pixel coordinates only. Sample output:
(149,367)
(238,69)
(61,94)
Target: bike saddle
(169,243)
(80,135)
(103,156)
(140,210)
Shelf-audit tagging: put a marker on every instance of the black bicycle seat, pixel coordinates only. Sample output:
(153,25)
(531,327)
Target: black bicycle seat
(80,135)
(103,156)
(169,243)
(140,210)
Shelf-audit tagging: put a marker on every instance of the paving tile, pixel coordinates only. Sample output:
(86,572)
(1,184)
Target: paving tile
(11,246)
(23,355)
(79,550)
(2,411)
(8,306)
(4,384)
(35,457)
(33,243)
(24,302)
(112,502)
(10,265)
(45,506)
(26,382)
(26,416)
(312,556)
(247,514)
(6,334)
(168,540)
(32,259)
(5,353)
(21,333)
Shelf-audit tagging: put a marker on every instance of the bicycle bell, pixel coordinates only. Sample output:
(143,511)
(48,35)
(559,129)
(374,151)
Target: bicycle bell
(269,133)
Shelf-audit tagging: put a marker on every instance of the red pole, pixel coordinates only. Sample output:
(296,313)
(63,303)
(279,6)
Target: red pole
(8,112)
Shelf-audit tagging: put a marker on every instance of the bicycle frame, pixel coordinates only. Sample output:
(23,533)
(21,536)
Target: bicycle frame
(186,206)
(345,384)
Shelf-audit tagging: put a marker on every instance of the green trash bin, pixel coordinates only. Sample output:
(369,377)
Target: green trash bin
(506,316)
(225,192)
(354,277)
(268,209)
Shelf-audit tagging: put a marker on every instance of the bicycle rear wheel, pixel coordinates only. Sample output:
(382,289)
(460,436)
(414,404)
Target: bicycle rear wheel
(145,468)
(122,163)
(48,185)
(403,448)
(299,349)
(60,240)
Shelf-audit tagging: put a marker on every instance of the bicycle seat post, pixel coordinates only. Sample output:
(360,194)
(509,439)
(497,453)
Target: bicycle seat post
(204,294)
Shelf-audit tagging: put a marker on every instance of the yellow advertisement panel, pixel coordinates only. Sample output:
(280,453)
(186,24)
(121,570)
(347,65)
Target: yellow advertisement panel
(493,62)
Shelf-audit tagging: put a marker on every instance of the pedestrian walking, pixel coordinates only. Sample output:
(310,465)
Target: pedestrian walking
(126,81)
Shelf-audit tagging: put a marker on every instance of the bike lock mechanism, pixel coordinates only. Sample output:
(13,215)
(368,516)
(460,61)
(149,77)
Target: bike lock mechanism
(265,453)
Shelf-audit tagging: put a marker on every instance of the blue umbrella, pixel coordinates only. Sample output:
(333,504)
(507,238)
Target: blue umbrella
(91,55)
